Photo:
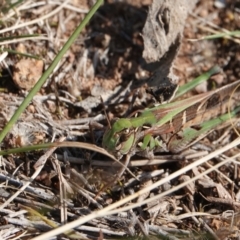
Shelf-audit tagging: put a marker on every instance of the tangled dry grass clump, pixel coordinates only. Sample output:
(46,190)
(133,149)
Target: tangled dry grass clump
(55,176)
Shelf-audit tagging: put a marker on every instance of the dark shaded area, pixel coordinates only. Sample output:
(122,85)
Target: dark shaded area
(123,23)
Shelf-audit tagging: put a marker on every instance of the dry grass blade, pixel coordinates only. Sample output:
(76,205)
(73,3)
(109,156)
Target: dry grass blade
(83,145)
(38,168)
(88,146)
(111,209)
(52,13)
(47,185)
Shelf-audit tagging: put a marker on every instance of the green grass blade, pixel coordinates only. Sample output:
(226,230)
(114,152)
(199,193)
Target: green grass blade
(50,69)
(35,147)
(222,35)
(20,54)
(202,78)
(19,37)
(9,6)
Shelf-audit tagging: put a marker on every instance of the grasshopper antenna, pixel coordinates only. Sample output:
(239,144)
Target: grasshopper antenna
(105,112)
(135,95)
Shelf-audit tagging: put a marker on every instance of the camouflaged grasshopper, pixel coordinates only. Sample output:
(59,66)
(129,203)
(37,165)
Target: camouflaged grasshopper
(174,126)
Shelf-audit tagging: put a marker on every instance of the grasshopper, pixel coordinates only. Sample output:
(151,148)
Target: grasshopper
(174,126)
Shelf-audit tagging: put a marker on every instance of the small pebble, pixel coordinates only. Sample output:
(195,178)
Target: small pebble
(220,3)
